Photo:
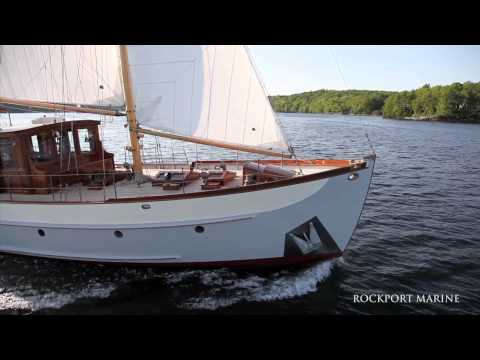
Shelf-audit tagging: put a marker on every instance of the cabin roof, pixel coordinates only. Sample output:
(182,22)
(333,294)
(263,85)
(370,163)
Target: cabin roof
(18,128)
(33,128)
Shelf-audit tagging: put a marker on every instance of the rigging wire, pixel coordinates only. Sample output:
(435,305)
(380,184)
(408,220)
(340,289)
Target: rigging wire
(230,91)
(346,88)
(62,59)
(211,86)
(338,67)
(161,154)
(265,93)
(100,93)
(246,110)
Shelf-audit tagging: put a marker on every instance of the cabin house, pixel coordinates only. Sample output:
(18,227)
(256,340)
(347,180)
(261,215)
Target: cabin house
(41,157)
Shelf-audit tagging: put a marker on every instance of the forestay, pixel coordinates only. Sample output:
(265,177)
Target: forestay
(208,92)
(65,74)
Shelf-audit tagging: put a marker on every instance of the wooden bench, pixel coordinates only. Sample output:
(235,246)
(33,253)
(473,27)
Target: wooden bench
(174,180)
(217,179)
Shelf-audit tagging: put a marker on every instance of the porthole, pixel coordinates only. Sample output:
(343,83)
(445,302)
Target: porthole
(199,229)
(146,206)
(41,232)
(353,176)
(118,234)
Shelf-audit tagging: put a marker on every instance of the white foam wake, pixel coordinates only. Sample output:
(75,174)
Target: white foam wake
(27,299)
(211,289)
(225,288)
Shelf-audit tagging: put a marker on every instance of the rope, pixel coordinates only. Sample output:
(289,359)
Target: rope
(74,150)
(62,59)
(100,95)
(185,153)
(157,156)
(372,149)
(292,151)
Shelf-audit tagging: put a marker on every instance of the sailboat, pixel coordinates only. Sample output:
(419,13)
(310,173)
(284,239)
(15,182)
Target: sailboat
(63,196)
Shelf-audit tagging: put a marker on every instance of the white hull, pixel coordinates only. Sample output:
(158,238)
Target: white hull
(239,227)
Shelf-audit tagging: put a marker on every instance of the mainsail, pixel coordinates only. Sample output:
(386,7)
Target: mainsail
(62,74)
(207,92)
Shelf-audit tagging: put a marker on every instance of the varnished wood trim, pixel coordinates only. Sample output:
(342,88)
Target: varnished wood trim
(287,162)
(215,143)
(229,191)
(248,188)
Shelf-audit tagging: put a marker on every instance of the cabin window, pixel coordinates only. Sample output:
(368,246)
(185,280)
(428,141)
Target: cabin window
(42,147)
(71,141)
(87,140)
(35,145)
(64,143)
(7,158)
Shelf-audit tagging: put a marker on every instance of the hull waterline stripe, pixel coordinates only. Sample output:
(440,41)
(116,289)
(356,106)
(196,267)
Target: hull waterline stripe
(165,263)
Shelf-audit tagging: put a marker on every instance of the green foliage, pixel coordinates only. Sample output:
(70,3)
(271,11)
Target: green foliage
(399,105)
(331,101)
(457,102)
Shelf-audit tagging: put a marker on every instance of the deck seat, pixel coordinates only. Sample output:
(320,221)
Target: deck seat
(217,179)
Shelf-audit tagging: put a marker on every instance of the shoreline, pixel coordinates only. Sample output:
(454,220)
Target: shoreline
(434,119)
(409,118)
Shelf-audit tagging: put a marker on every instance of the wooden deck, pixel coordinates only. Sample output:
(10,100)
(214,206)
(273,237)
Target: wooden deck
(132,189)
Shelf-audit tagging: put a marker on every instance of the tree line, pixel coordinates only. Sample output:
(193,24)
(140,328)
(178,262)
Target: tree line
(455,102)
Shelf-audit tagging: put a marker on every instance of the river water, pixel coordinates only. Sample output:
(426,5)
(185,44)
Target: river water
(419,234)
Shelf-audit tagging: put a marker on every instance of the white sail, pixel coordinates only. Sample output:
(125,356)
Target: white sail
(67,74)
(210,92)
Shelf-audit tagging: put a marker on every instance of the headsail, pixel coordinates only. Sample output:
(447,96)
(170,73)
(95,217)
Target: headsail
(207,92)
(62,74)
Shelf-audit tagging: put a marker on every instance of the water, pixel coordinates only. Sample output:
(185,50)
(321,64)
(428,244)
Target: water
(419,234)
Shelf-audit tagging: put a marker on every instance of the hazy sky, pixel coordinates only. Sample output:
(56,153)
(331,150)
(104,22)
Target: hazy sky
(288,69)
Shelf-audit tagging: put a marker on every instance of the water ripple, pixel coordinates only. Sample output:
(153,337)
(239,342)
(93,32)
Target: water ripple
(419,233)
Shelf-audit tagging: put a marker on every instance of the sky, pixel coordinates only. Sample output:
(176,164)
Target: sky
(290,69)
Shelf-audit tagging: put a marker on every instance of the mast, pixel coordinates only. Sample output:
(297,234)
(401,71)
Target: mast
(207,97)
(131,114)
